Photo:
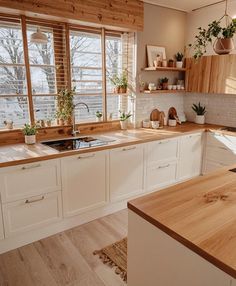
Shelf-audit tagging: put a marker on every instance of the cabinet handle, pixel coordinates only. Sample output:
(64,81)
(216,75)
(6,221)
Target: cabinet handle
(127,149)
(31,167)
(224,148)
(34,201)
(86,157)
(163,142)
(165,166)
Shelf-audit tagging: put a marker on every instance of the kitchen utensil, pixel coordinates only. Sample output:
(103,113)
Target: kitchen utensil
(154,116)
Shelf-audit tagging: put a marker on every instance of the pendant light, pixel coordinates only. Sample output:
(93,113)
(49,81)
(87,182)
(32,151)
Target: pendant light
(38,37)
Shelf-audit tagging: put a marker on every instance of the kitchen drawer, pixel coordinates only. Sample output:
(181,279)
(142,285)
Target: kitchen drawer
(32,213)
(221,155)
(27,180)
(160,176)
(163,150)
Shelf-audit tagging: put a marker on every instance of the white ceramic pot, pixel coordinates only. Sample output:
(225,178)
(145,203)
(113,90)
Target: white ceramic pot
(30,139)
(155,124)
(124,124)
(98,119)
(200,119)
(146,123)
(179,65)
(172,122)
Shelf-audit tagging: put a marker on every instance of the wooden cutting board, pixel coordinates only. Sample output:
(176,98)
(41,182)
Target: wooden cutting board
(155,114)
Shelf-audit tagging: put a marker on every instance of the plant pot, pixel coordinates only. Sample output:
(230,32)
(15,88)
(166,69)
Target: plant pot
(179,65)
(61,122)
(223,46)
(172,122)
(200,119)
(30,139)
(123,90)
(170,64)
(49,123)
(99,119)
(165,85)
(116,89)
(124,125)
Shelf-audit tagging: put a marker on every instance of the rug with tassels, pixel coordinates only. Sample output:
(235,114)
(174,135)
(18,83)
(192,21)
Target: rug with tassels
(115,256)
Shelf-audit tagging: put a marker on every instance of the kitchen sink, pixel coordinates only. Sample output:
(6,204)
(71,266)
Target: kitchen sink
(74,143)
(231,129)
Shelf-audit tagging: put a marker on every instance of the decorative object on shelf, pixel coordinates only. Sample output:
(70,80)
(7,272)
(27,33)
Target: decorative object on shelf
(155,124)
(154,116)
(124,119)
(200,113)
(152,86)
(220,36)
(98,116)
(164,83)
(179,60)
(120,82)
(153,52)
(8,124)
(173,118)
(162,119)
(48,122)
(30,133)
(158,61)
(146,123)
(171,63)
(164,63)
(65,106)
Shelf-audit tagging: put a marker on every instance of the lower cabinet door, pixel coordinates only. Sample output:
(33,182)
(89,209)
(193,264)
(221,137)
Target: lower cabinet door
(211,166)
(1,224)
(160,176)
(83,182)
(126,172)
(32,213)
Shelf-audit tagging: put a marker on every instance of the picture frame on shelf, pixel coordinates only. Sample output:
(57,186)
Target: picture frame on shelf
(153,52)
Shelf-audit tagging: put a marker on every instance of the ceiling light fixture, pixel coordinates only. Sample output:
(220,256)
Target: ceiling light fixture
(38,37)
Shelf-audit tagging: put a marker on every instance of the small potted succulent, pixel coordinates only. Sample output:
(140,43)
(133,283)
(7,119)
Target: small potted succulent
(30,133)
(200,113)
(98,116)
(124,119)
(179,60)
(164,83)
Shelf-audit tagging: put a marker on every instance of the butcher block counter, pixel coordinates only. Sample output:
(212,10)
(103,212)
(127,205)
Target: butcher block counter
(198,215)
(11,155)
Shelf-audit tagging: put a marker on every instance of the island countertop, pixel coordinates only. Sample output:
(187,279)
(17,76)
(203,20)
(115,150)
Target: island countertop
(200,214)
(15,154)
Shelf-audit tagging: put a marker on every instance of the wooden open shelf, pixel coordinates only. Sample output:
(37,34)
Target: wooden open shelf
(165,69)
(164,91)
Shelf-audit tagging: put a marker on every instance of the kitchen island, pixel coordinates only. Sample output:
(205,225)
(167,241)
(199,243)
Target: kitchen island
(185,235)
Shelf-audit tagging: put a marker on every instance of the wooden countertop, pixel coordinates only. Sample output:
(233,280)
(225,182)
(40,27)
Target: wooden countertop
(200,214)
(16,154)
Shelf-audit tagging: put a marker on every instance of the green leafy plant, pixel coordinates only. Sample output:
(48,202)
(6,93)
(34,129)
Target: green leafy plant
(164,80)
(179,57)
(199,109)
(124,116)
(98,114)
(214,31)
(65,104)
(29,130)
(120,81)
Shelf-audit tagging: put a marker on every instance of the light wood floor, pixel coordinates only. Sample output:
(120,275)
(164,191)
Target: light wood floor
(66,258)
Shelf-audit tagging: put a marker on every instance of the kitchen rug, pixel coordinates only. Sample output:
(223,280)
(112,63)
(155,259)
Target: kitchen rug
(115,256)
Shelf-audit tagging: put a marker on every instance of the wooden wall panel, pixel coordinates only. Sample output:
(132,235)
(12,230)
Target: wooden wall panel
(198,74)
(121,13)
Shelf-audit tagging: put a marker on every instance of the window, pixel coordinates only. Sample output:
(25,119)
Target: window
(13,90)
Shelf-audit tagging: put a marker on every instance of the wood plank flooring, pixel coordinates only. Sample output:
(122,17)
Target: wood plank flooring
(66,258)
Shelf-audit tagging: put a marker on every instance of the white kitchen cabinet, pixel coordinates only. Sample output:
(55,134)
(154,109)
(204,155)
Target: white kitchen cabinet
(1,224)
(126,168)
(190,157)
(83,182)
(23,181)
(32,213)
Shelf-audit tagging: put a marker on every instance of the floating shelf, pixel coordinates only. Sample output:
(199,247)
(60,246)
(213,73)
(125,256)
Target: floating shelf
(165,69)
(164,91)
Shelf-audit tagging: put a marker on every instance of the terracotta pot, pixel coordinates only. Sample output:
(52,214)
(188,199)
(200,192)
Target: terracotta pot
(116,89)
(61,122)
(223,46)
(123,90)
(165,85)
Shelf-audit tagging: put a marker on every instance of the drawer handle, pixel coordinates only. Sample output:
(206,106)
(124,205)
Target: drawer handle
(165,166)
(34,201)
(86,157)
(224,148)
(31,167)
(163,142)
(128,149)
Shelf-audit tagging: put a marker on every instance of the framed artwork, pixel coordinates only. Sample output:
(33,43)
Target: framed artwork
(153,52)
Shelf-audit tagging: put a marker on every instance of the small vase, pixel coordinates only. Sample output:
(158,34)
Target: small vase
(124,125)
(99,119)
(179,65)
(30,139)
(200,119)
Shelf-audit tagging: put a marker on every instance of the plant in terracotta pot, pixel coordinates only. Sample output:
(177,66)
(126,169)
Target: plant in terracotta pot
(164,83)
(65,106)
(30,133)
(120,83)
(123,82)
(115,80)
(98,116)
(124,119)
(200,113)
(179,60)
(221,37)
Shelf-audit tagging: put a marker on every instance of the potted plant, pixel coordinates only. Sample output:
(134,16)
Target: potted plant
(179,60)
(116,82)
(123,82)
(220,37)
(200,113)
(164,82)
(30,133)
(171,63)
(98,116)
(124,119)
(65,106)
